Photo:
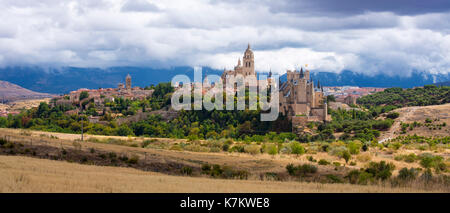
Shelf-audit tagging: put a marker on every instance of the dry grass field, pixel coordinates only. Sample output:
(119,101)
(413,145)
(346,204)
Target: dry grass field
(24,174)
(22,104)
(21,172)
(437,113)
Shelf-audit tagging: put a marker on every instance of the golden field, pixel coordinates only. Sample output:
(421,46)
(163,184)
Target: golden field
(24,174)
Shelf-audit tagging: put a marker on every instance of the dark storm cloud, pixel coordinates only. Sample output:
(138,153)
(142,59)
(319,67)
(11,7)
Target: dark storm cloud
(352,7)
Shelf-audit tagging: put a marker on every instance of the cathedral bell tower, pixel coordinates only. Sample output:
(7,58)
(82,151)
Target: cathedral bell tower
(249,62)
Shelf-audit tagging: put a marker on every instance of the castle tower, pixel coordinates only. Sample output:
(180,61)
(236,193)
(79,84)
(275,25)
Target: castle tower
(128,82)
(249,62)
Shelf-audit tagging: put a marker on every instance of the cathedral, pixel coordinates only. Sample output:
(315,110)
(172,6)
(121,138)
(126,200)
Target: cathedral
(245,69)
(299,99)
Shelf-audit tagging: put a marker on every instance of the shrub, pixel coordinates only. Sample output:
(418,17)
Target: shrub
(310,158)
(427,175)
(337,150)
(296,148)
(206,168)
(2,141)
(354,147)
(123,158)
(147,142)
(346,155)
(381,170)
(407,174)
(225,147)
(429,161)
(393,115)
(9,145)
(84,159)
(323,162)
(237,148)
(364,157)
(301,170)
(133,159)
(359,177)
(252,149)
(334,179)
(407,158)
(112,155)
(271,149)
(186,170)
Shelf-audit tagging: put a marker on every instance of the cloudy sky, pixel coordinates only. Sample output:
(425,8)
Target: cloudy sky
(394,37)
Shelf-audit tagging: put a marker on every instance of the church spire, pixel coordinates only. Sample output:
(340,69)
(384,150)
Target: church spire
(248,46)
(318,84)
(301,72)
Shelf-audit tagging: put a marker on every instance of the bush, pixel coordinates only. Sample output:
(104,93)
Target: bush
(346,155)
(301,170)
(2,141)
(334,179)
(323,162)
(359,177)
(271,149)
(133,159)
(407,158)
(354,147)
(225,147)
(296,148)
(310,158)
(252,149)
(147,142)
(237,148)
(407,174)
(206,168)
(393,115)
(186,170)
(364,157)
(381,170)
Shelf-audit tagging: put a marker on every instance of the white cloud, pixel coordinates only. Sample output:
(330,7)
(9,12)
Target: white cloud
(215,33)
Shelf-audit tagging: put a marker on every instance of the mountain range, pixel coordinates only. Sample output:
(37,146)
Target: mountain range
(66,79)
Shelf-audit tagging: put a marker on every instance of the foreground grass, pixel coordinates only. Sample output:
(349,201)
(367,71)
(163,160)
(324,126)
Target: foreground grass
(24,174)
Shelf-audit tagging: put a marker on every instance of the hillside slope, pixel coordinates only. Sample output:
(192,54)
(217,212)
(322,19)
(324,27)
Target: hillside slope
(437,115)
(12,92)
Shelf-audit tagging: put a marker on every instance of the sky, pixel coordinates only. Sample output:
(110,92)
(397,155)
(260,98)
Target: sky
(371,37)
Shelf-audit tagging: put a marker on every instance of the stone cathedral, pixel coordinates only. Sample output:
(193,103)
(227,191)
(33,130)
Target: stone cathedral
(300,100)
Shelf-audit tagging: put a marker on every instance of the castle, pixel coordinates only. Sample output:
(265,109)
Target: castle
(299,99)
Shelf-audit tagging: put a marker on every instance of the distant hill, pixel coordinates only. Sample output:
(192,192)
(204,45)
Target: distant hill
(65,79)
(447,83)
(420,96)
(13,92)
(349,78)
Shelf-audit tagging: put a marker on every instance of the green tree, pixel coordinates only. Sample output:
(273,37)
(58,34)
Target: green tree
(84,95)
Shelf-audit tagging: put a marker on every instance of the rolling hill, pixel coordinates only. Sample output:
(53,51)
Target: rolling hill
(12,92)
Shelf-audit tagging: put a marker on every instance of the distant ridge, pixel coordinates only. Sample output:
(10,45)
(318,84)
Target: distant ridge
(447,83)
(12,92)
(65,79)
